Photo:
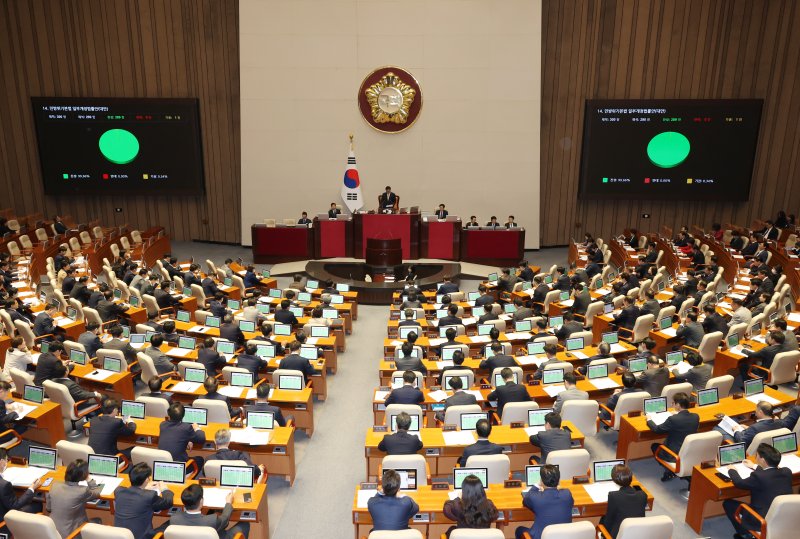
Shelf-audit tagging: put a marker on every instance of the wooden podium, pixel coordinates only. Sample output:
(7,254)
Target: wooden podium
(384,253)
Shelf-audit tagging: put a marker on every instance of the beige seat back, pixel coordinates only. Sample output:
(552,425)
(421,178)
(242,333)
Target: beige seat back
(217,410)
(628,402)
(498,466)
(396,534)
(126,244)
(86,239)
(103,353)
(414,462)
(25,331)
(574,530)
(765,438)
(658,527)
(783,516)
(697,448)
(197,292)
(610,361)
(183,365)
(670,390)
(582,414)
(70,451)
(8,325)
(587,337)
(227,370)
(397,379)
(496,374)
(708,346)
(60,394)
(154,406)
(31,526)
(143,328)
(212,467)
(410,409)
(148,367)
(685,306)
(149,455)
(200,315)
(22,378)
(514,412)
(78,306)
(212,268)
(723,384)
(459,372)
(150,304)
(41,234)
(98,233)
(739,329)
(642,327)
(571,462)
(567,366)
(98,531)
(92,316)
(452,416)
(784,367)
(190,532)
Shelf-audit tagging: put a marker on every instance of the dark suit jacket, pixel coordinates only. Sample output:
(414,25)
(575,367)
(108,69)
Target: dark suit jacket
(43,325)
(677,427)
(90,342)
(209,287)
(750,432)
(165,299)
(108,310)
(627,318)
(540,292)
(160,395)
(485,299)
(134,508)
(551,506)
(654,380)
(104,432)
(232,333)
(9,500)
(764,486)
(510,392)
(235,454)
(251,363)
(627,502)
(562,283)
(551,440)
(410,364)
(448,321)
(266,407)
(715,322)
(218,521)
(298,363)
(566,330)
(387,201)
(485,317)
(790,420)
(76,392)
(581,302)
(44,368)
(285,317)
(405,395)
(693,333)
(481,447)
(174,436)
(333,213)
(459,399)
(447,288)
(211,360)
(400,443)
(496,361)
(766,355)
(127,350)
(390,512)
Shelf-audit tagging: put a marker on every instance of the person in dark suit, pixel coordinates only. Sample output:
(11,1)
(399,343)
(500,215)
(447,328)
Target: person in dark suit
(628,386)
(107,428)
(251,280)
(458,363)
(458,398)
(765,483)
(108,310)
(497,360)
(388,511)
(76,392)
(44,324)
(765,421)
(154,384)
(117,343)
(210,288)
(387,199)
(506,281)
(192,276)
(679,296)
(627,502)
(447,287)
(294,361)
(134,505)
(629,281)
(262,404)
(488,314)
(192,514)
(765,356)
(217,305)
(161,361)
(646,261)
(690,330)
(177,437)
(472,509)
(650,305)
(630,312)
(482,446)
(408,319)
(472,223)
(525,272)
(451,319)
(569,326)
(522,311)
(562,281)
(284,315)
(407,393)
(69,281)
(9,500)
(677,427)
(580,299)
(789,421)
(304,220)
(713,320)
(485,298)
(655,377)
(164,299)
(211,385)
(550,504)
(401,442)
(407,362)
(230,330)
(210,358)
(698,375)
(90,339)
(511,223)
(698,257)
(552,438)
(540,290)
(46,366)
(333,211)
(250,361)
(441,213)
(222,439)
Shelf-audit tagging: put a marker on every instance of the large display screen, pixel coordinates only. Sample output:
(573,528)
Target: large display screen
(669,149)
(119,146)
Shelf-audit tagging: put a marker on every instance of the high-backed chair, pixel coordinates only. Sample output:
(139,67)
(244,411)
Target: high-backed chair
(154,406)
(780,521)
(20,379)
(626,403)
(211,468)
(696,448)
(396,534)
(582,414)
(90,530)
(496,373)
(151,454)
(518,411)
(414,462)
(685,306)
(183,365)
(782,371)
(197,292)
(460,372)
(397,378)
(498,466)
(739,329)
(641,329)
(658,527)
(587,337)
(723,384)
(228,369)
(103,353)
(765,437)
(31,525)
(571,462)
(566,365)
(217,410)
(468,533)
(671,389)
(25,331)
(71,410)
(463,347)
(708,346)
(452,416)
(582,529)
(8,324)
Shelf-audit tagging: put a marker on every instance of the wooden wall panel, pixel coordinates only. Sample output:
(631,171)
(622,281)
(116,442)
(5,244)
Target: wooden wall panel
(124,48)
(598,49)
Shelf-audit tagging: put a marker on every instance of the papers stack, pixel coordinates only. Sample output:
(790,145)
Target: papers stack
(728,425)
(792,462)
(568,302)
(476,393)
(599,492)
(530,360)
(659,418)
(179,352)
(670,332)
(446,363)
(231,391)
(363,498)
(743,470)
(381,395)
(250,436)
(514,336)
(682,367)
(762,397)
(186,387)
(99,374)
(110,484)
(438,395)
(480,339)
(215,497)
(554,390)
(579,355)
(604,383)
(22,409)
(530,431)
(618,349)
(23,476)
(459,437)
(433,342)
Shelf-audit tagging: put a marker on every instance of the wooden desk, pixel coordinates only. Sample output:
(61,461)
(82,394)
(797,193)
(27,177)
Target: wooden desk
(119,384)
(707,493)
(442,458)
(727,362)
(281,243)
(499,247)
(635,436)
(45,423)
(507,500)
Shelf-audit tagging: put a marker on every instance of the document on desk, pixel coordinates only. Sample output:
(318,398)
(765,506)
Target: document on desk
(530,360)
(396,343)
(480,339)
(659,417)
(514,336)
(179,352)
(250,436)
(737,296)
(728,425)
(231,391)
(434,342)
(35,358)
(215,497)
(99,374)
(603,291)
(459,437)
(363,498)
(21,408)
(110,484)
(439,395)
(530,431)
(604,383)
(670,331)
(579,355)
(312,340)
(682,367)
(186,387)
(618,349)
(763,397)
(736,351)
(568,302)
(381,395)
(446,363)
(477,394)
(791,461)
(744,471)
(21,476)
(794,317)
(599,492)
(554,390)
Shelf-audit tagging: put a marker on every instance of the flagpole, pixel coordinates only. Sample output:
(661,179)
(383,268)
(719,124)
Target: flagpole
(351,142)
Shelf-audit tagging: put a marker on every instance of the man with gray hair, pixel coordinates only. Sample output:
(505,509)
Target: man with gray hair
(222,439)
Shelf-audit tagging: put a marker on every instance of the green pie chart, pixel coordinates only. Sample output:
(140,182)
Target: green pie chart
(668,149)
(119,146)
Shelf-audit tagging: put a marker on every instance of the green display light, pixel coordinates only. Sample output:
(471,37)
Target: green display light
(119,146)
(668,149)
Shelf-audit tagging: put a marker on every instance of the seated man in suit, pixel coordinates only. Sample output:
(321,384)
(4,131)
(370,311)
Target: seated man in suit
(458,398)
(161,360)
(627,502)
(525,272)
(540,289)
(765,356)
(106,429)
(569,327)
(764,421)
(562,281)
(412,301)
(629,281)
(407,362)
(482,446)
(655,377)
(698,375)
(266,333)
(333,211)
(294,361)
(251,280)
(164,299)
(117,342)
(690,330)
(789,337)
(447,287)
(154,384)
(90,339)
(493,222)
(441,213)
(550,353)
(408,319)
(388,511)
(452,318)
(217,304)
(44,324)
(230,330)
(488,314)
(210,358)
(522,311)
(630,312)
(581,298)
(211,385)
(76,392)
(222,439)
(511,223)
(485,298)
(192,514)
(304,220)
(458,363)
(571,393)
(108,309)
(506,281)
(552,438)
(713,320)
(741,314)
(677,427)
(765,483)
(510,391)
(178,437)
(400,442)
(262,404)
(9,500)
(407,393)
(134,505)
(473,222)
(550,504)
(497,360)
(628,386)
(387,199)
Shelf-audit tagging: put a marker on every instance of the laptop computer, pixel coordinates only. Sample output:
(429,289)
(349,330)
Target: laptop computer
(101,466)
(186,343)
(536,348)
(42,457)
(183,316)
(574,343)
(234,304)
(226,347)
(297,311)
(754,386)
(733,340)
(320,331)
(665,323)
(247,326)
(638,364)
(408,478)
(33,394)
(169,471)
(523,325)
(612,337)
(212,321)
(77,356)
(731,454)
(281,329)
(537,415)
(469,421)
(555,322)
(414,423)
(265,351)
(403,331)
(597,371)
(485,329)
(137,338)
(785,443)
(333,314)
(192,374)
(342,287)
(309,352)
(655,405)
(498,379)
(533,475)
(448,351)
(242,379)
(112,364)
(675,357)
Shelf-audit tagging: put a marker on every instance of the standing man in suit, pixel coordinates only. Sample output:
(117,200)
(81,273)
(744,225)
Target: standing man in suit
(9,500)
(333,211)
(134,505)
(400,442)
(627,502)
(262,404)
(483,446)
(498,359)
(510,391)
(459,397)
(178,437)
(553,438)
(441,213)
(550,504)
(690,330)
(655,377)
(407,393)
(387,199)
(765,484)
(388,511)
(677,427)
(192,514)
(107,428)
(571,393)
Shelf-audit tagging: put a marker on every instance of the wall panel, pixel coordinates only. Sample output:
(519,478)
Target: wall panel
(598,49)
(124,48)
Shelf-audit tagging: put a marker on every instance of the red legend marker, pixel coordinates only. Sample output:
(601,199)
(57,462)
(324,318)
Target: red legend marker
(647,180)
(105,176)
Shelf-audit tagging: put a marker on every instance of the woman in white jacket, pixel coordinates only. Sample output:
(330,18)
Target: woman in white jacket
(17,357)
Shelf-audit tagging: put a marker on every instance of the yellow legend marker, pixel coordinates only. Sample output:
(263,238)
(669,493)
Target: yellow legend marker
(688,180)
